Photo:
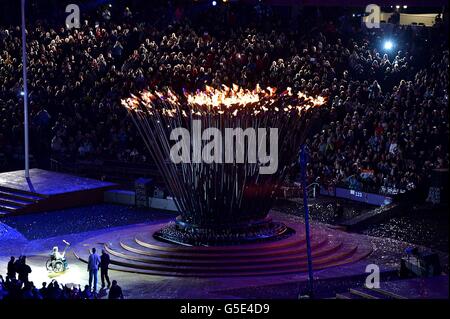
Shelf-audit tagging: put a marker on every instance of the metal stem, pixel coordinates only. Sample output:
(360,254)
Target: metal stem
(25,93)
(303,162)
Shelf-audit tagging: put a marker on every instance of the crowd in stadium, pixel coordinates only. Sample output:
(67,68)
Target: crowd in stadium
(17,286)
(15,289)
(386,120)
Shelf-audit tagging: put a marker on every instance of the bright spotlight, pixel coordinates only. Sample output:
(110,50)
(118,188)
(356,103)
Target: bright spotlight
(22,93)
(214,3)
(405,7)
(397,7)
(388,45)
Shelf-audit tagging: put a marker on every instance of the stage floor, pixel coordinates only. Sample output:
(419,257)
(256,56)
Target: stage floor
(48,183)
(77,225)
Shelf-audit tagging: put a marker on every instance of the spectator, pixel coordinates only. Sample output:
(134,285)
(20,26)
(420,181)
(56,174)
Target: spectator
(44,290)
(86,293)
(23,269)
(15,289)
(386,112)
(115,292)
(11,272)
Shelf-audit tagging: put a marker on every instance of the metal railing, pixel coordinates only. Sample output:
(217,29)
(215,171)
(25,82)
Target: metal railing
(312,186)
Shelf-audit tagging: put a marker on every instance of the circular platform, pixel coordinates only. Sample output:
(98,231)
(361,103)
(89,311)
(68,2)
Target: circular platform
(136,250)
(182,233)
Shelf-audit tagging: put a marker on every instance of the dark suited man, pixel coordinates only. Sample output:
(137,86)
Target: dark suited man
(11,272)
(104,264)
(24,270)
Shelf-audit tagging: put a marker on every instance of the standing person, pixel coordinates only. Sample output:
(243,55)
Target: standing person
(24,270)
(17,264)
(104,264)
(86,293)
(93,263)
(116,291)
(44,290)
(11,270)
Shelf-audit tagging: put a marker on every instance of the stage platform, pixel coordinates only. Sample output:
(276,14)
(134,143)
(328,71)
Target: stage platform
(47,190)
(136,250)
(96,225)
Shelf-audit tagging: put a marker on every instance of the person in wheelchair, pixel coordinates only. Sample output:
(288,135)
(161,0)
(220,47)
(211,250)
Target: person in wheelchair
(58,256)
(57,261)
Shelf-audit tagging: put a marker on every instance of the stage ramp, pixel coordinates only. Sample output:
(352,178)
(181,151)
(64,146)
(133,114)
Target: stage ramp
(47,190)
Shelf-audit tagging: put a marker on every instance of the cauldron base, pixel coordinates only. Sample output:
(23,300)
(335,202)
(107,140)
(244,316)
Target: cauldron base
(183,233)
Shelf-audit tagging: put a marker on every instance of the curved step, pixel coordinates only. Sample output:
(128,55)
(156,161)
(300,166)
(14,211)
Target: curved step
(225,260)
(153,244)
(219,267)
(181,274)
(192,253)
(318,263)
(139,252)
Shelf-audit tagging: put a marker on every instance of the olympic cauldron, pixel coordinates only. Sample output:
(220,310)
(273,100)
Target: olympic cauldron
(226,200)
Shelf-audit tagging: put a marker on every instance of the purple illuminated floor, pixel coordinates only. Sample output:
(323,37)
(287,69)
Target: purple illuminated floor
(34,235)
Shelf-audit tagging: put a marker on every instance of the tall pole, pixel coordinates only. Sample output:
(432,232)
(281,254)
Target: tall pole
(25,92)
(303,162)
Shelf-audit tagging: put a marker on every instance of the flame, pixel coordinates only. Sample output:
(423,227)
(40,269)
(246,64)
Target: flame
(225,99)
(226,96)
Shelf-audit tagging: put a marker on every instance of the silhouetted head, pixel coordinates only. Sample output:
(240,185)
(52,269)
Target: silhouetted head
(94,250)
(13,258)
(114,282)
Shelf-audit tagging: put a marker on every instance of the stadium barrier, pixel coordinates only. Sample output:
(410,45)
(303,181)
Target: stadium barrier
(359,196)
